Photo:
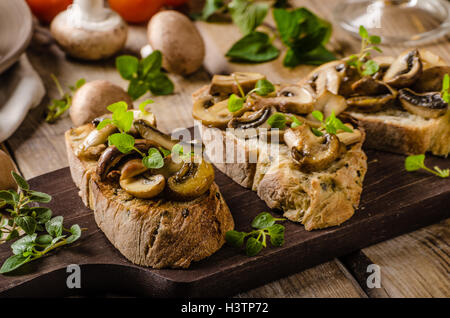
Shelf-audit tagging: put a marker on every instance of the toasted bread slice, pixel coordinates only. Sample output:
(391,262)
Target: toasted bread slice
(401,132)
(317,200)
(156,233)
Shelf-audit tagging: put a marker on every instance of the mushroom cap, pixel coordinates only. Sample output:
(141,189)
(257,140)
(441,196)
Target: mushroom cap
(179,41)
(91,99)
(6,180)
(89,43)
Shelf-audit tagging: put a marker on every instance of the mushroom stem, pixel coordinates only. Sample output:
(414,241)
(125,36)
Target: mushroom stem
(89,10)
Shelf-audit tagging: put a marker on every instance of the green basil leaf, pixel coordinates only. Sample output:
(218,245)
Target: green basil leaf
(122,141)
(276,232)
(143,104)
(277,120)
(76,233)
(7,197)
(255,47)
(44,239)
(316,132)
(27,223)
(42,214)
(24,244)
(263,87)
(127,66)
(54,227)
(317,115)
(36,196)
(370,68)
(295,122)
(104,123)
(159,84)
(13,263)
(263,220)
(21,182)
(235,238)
(177,149)
(247,15)
(253,247)
(150,64)
(154,160)
(363,32)
(211,7)
(118,107)
(415,162)
(136,88)
(80,83)
(164,151)
(235,103)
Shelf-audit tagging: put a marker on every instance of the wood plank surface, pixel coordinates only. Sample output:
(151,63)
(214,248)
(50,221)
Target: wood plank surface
(38,148)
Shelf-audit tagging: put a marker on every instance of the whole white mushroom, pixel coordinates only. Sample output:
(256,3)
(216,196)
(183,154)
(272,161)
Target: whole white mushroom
(179,41)
(91,99)
(6,166)
(89,31)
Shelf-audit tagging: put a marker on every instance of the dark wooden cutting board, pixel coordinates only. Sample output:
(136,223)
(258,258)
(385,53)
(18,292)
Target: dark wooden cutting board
(393,202)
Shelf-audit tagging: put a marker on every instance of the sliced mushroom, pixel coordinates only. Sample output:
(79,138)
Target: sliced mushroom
(111,156)
(96,137)
(226,84)
(368,86)
(310,152)
(328,102)
(252,120)
(431,79)
(405,70)
(144,187)
(290,99)
(147,131)
(191,181)
(132,168)
(349,76)
(384,62)
(429,59)
(427,105)
(349,138)
(373,103)
(210,114)
(328,79)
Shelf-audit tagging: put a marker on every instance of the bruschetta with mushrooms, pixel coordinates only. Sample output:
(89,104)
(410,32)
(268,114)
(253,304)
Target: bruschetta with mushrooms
(167,216)
(274,145)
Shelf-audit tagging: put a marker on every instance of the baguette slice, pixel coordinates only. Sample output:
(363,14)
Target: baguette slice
(317,200)
(155,233)
(401,132)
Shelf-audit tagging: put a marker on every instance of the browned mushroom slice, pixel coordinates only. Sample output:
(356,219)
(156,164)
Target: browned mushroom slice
(95,138)
(215,115)
(144,187)
(427,105)
(429,59)
(151,133)
(384,62)
(252,120)
(431,79)
(405,70)
(328,102)
(191,181)
(373,103)
(368,86)
(111,156)
(290,99)
(226,84)
(310,152)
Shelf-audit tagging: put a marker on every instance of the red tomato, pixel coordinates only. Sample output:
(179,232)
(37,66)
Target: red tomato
(46,10)
(175,3)
(136,11)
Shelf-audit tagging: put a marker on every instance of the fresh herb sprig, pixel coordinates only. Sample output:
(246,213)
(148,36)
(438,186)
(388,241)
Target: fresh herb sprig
(22,216)
(417,162)
(331,124)
(59,106)
(262,88)
(264,225)
(144,75)
(445,93)
(31,219)
(32,246)
(361,61)
(279,120)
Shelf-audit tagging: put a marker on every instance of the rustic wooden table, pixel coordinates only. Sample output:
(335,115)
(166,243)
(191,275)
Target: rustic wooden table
(412,265)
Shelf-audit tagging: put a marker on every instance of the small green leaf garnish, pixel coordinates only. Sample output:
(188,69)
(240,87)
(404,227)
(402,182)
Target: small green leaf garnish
(144,75)
(235,103)
(264,225)
(277,120)
(255,47)
(331,125)
(362,62)
(416,162)
(262,87)
(143,104)
(295,122)
(445,93)
(247,15)
(59,106)
(30,219)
